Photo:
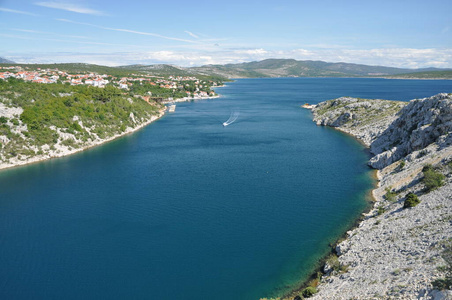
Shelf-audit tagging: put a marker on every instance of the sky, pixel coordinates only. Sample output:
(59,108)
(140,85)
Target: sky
(396,33)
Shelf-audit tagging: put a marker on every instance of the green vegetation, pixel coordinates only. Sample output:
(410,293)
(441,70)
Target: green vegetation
(78,68)
(411,200)
(390,195)
(333,261)
(445,282)
(432,178)
(402,164)
(292,67)
(50,110)
(308,292)
(444,74)
(363,111)
(380,210)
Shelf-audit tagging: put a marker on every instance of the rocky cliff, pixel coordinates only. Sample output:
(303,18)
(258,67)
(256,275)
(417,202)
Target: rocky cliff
(397,252)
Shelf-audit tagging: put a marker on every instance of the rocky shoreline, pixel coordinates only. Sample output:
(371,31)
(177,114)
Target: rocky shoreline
(61,151)
(396,252)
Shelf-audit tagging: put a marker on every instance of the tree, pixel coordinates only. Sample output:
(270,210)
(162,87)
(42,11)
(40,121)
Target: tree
(411,200)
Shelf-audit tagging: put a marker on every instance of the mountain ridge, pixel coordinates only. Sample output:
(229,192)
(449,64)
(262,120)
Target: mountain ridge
(271,68)
(6,61)
(306,68)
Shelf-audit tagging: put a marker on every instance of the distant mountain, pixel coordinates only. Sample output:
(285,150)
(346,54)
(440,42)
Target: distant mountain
(294,68)
(5,61)
(255,69)
(160,70)
(167,70)
(444,74)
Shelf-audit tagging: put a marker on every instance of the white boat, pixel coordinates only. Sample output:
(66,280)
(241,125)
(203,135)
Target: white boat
(234,115)
(172,108)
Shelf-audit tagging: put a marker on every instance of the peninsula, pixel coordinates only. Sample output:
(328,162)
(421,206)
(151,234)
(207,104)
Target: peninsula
(402,249)
(51,112)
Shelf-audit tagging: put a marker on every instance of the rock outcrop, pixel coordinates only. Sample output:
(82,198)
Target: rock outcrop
(365,119)
(419,124)
(396,252)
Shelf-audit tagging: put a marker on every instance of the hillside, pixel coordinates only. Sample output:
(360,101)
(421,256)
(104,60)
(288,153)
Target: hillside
(78,68)
(294,68)
(40,121)
(256,69)
(171,70)
(5,61)
(402,249)
(445,74)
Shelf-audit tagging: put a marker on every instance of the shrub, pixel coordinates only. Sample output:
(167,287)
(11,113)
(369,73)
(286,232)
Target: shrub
(401,165)
(380,210)
(442,283)
(3,119)
(309,291)
(390,195)
(422,153)
(432,179)
(411,200)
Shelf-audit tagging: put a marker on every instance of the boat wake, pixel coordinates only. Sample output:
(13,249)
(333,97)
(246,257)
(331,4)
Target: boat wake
(232,118)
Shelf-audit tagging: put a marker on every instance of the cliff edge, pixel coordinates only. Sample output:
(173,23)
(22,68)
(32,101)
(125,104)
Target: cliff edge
(403,247)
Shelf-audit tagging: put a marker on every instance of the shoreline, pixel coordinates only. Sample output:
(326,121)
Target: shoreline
(393,252)
(371,200)
(37,159)
(41,158)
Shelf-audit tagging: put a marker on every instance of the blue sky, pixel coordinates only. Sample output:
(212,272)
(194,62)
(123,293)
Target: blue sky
(394,33)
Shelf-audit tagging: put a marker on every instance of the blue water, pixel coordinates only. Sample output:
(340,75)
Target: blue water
(188,209)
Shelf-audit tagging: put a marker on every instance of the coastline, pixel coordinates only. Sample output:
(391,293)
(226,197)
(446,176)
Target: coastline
(393,252)
(40,158)
(371,200)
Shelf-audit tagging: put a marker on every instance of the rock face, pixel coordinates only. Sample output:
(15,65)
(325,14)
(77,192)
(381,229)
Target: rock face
(365,119)
(420,123)
(392,129)
(396,253)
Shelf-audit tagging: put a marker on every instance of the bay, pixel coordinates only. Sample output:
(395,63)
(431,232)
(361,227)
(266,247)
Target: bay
(186,208)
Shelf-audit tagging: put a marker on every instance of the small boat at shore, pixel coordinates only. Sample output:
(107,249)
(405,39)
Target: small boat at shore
(172,108)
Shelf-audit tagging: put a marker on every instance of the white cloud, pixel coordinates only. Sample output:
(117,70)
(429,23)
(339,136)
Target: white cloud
(391,57)
(191,34)
(70,7)
(17,12)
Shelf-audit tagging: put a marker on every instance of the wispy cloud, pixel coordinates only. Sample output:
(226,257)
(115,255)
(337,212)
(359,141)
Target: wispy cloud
(191,34)
(70,7)
(49,33)
(130,31)
(17,12)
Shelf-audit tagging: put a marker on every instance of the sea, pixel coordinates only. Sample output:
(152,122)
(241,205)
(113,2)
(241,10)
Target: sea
(187,208)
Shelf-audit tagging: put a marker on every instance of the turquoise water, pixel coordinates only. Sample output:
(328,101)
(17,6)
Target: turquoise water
(188,209)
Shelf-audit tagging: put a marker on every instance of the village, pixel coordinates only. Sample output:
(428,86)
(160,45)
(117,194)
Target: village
(189,85)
